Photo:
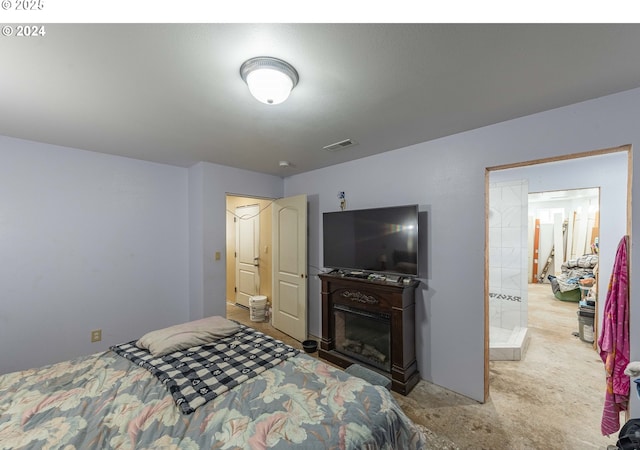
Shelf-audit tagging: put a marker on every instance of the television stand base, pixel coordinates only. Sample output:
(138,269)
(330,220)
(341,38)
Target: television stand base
(397,300)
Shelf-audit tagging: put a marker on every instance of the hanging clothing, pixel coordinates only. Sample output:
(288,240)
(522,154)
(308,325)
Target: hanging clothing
(614,341)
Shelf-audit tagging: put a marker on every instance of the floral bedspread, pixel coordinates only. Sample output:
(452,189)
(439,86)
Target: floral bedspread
(102,401)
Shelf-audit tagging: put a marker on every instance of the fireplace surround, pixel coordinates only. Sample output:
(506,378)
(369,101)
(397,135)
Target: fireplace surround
(372,323)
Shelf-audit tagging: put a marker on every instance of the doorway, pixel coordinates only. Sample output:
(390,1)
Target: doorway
(563,230)
(266,255)
(248,251)
(609,171)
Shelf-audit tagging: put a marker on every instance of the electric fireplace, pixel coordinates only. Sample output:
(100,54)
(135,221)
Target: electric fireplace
(363,335)
(371,323)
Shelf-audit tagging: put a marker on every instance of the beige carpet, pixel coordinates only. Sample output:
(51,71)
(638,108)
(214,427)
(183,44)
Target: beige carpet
(552,399)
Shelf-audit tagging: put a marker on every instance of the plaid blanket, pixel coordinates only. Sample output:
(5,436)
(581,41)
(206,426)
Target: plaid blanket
(199,374)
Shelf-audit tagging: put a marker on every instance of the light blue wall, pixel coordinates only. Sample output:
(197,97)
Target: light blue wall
(447,176)
(94,241)
(208,188)
(87,241)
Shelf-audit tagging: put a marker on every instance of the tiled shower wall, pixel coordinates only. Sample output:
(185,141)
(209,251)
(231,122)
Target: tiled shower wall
(508,206)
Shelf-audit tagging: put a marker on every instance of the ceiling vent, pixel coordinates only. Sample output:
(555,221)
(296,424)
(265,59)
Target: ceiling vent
(340,145)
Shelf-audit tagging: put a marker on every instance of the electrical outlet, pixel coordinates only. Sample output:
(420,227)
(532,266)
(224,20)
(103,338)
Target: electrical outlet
(96,335)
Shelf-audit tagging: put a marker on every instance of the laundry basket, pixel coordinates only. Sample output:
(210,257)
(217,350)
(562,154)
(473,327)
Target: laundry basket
(258,308)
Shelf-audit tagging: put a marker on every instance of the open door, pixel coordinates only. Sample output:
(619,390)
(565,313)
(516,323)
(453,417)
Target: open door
(289,300)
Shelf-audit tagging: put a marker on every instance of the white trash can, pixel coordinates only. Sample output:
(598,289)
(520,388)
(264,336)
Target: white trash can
(258,308)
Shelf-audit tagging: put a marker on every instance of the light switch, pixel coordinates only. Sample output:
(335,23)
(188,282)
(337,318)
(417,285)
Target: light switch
(218,256)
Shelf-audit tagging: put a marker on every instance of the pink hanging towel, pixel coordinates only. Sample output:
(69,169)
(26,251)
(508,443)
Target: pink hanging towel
(614,341)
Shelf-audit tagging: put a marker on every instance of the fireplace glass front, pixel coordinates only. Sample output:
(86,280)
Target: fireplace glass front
(363,335)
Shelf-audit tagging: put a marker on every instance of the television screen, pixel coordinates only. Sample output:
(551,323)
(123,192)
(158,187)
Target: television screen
(383,240)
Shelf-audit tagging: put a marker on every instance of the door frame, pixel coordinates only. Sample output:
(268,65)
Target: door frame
(488,170)
(233,200)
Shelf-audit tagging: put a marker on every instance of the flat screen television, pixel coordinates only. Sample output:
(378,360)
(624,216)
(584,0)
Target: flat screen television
(378,240)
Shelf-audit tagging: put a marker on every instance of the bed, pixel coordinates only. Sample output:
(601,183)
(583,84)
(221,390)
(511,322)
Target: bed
(112,401)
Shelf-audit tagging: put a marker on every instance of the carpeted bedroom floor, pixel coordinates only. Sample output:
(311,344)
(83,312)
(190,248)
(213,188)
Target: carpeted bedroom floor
(552,399)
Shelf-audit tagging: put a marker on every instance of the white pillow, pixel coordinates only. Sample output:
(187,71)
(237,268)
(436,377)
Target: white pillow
(186,335)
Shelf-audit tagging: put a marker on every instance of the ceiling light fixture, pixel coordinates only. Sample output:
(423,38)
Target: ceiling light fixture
(270,80)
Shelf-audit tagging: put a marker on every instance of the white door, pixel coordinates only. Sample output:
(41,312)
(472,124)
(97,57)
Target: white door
(289,300)
(247,253)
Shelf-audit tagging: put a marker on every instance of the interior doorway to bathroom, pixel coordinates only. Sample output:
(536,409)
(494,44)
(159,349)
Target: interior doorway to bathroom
(266,255)
(248,248)
(607,171)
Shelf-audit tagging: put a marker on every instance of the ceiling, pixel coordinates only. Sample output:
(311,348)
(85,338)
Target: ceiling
(172,93)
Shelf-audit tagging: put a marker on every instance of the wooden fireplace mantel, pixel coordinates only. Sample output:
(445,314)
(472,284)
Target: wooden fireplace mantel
(395,299)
